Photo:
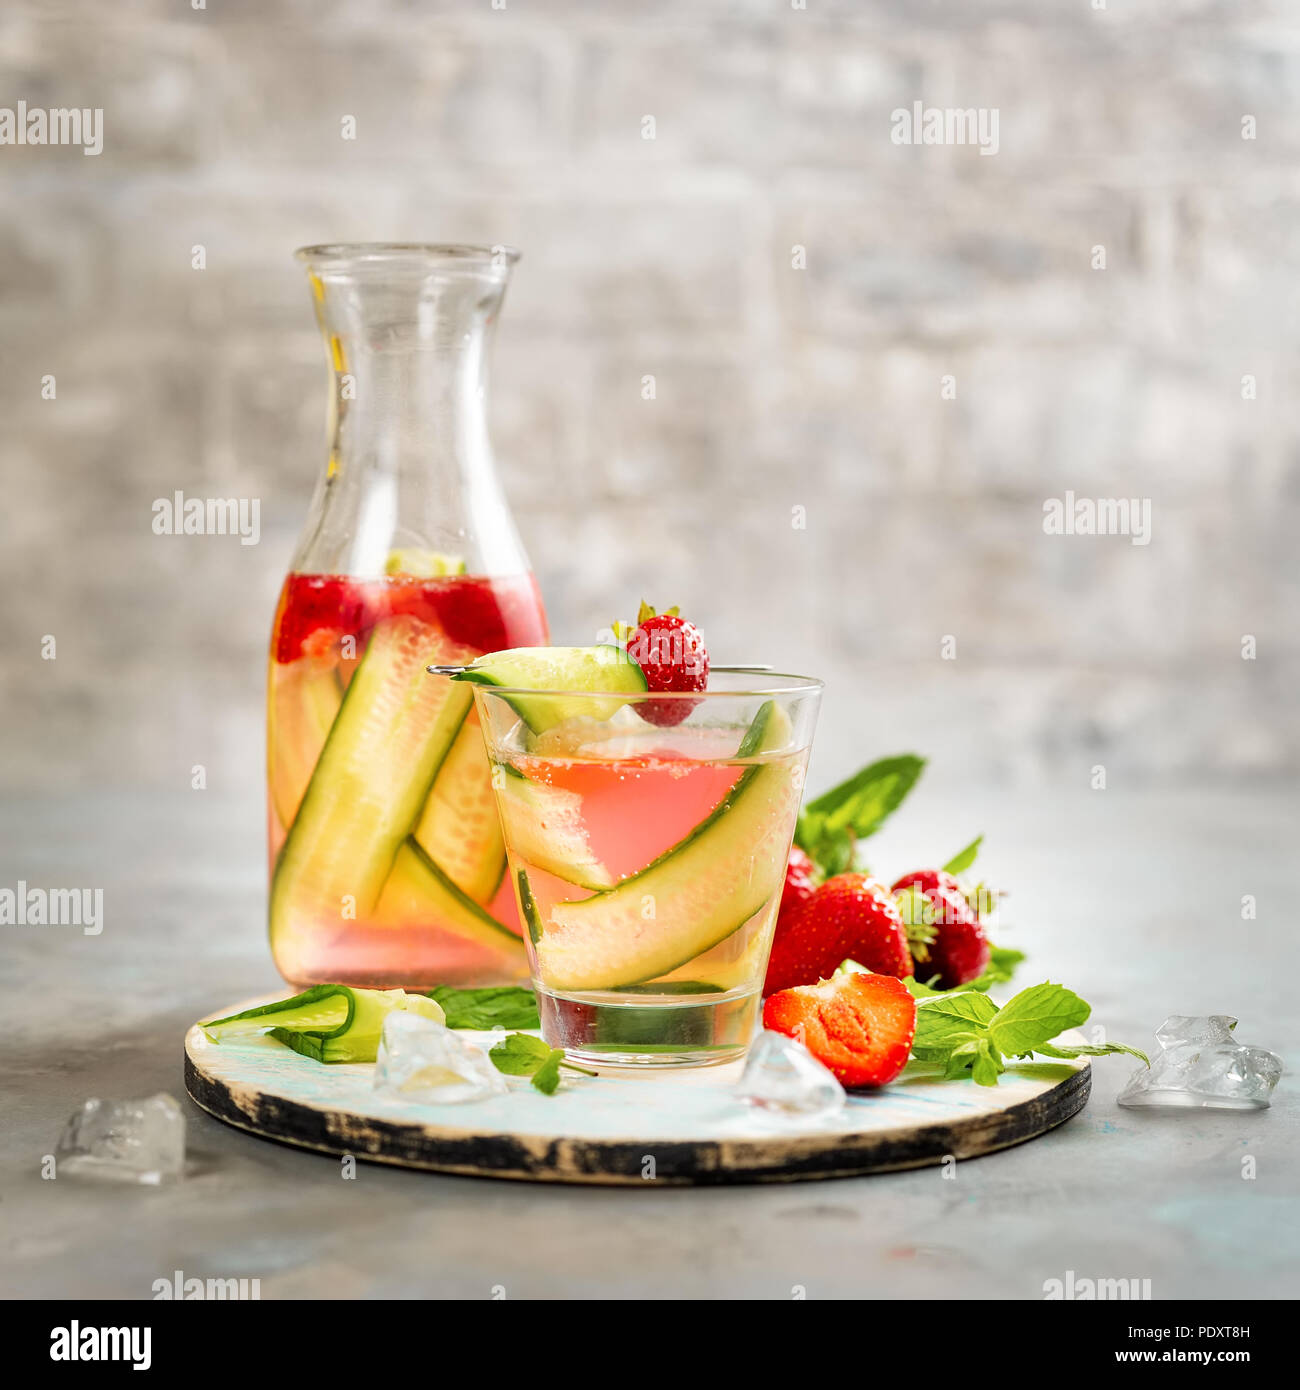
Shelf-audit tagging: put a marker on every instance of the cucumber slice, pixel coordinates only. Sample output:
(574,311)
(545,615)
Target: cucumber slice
(332,1023)
(544,827)
(305,697)
(597,669)
(703,889)
(393,730)
(459,828)
(418,891)
(422,564)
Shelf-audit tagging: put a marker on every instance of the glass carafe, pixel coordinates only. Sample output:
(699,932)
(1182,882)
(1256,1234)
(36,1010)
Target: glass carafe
(387,864)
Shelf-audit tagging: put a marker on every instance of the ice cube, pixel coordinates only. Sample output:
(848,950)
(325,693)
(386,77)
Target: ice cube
(124,1140)
(1182,1028)
(782,1078)
(1201,1064)
(423,1060)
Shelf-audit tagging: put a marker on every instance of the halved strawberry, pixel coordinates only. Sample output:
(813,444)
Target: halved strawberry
(849,916)
(860,1026)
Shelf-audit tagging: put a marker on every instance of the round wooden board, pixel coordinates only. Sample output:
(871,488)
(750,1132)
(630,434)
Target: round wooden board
(678,1128)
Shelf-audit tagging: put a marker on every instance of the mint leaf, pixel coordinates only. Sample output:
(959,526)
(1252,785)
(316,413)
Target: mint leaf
(834,852)
(547,1077)
(963,859)
(1002,963)
(502,1006)
(962,1057)
(1036,1015)
(520,1054)
(856,808)
(988,1064)
(967,1032)
(945,1020)
(1097,1050)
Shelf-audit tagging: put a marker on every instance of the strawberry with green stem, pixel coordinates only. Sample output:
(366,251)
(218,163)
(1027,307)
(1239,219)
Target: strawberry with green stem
(947,940)
(673,658)
(850,915)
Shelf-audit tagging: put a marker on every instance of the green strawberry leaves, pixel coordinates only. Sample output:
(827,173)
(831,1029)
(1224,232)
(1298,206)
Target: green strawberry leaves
(968,1033)
(521,1054)
(831,824)
(1001,967)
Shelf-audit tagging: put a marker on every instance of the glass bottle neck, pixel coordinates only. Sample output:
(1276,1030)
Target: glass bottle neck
(410,380)
(410,462)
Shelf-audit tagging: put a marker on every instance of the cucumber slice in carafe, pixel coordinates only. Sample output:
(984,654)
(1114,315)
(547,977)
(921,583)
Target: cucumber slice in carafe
(393,730)
(459,828)
(305,697)
(419,892)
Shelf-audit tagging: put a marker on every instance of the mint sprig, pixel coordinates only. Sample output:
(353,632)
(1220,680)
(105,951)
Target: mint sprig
(498,1006)
(521,1054)
(967,1033)
(1036,1015)
(831,824)
(964,858)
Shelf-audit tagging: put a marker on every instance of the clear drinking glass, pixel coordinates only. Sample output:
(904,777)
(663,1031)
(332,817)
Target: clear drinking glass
(387,866)
(647,839)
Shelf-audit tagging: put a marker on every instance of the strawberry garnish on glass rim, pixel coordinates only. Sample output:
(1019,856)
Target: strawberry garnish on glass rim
(673,658)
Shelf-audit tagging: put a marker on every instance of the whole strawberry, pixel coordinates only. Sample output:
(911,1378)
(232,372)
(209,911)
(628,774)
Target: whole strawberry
(957,950)
(860,1026)
(800,880)
(925,880)
(848,916)
(672,656)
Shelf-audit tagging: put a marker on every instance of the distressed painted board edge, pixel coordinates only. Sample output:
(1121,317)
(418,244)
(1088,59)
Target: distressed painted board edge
(773,1157)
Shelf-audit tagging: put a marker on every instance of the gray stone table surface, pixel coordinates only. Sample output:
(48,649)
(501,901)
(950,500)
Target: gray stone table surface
(1134,899)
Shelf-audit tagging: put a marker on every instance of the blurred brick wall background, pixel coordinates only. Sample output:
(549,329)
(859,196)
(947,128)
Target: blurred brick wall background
(776,387)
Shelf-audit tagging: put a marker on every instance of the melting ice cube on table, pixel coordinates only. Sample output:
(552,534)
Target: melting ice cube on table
(139,1141)
(782,1078)
(423,1060)
(1201,1064)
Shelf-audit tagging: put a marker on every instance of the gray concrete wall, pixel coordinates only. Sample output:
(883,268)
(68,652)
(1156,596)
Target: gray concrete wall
(776,387)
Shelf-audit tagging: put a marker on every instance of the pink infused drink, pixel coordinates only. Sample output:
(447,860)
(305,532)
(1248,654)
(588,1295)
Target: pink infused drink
(387,860)
(648,858)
